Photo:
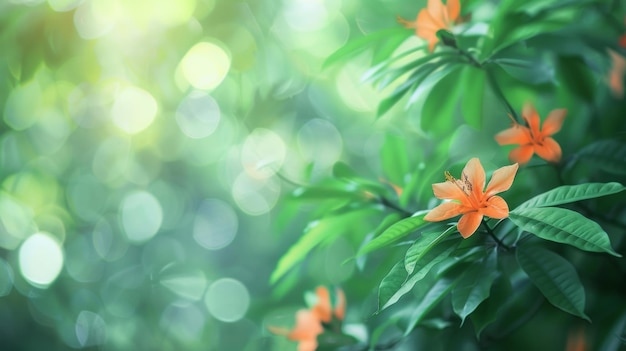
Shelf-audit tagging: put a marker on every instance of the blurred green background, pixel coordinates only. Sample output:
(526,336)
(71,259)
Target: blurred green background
(139,148)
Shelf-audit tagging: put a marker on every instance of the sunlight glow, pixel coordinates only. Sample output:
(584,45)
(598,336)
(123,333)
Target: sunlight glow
(41,259)
(205,65)
(141,216)
(134,110)
(227,300)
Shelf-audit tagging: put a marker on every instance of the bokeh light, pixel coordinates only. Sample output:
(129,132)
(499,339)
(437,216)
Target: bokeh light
(41,259)
(134,110)
(141,216)
(205,65)
(198,115)
(215,224)
(227,300)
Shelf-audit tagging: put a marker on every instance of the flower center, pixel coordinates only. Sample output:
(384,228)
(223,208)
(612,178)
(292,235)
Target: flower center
(464,183)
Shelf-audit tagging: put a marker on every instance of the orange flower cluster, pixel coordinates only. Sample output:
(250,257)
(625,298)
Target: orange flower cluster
(310,323)
(434,17)
(534,139)
(470,200)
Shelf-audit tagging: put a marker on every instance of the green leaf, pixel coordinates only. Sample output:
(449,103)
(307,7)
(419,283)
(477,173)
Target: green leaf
(390,284)
(394,158)
(608,155)
(572,193)
(314,234)
(487,312)
(474,286)
(563,226)
(395,232)
(435,256)
(473,80)
(422,246)
(555,277)
(529,71)
(430,300)
(356,46)
(441,104)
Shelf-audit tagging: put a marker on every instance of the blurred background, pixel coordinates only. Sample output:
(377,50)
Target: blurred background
(139,150)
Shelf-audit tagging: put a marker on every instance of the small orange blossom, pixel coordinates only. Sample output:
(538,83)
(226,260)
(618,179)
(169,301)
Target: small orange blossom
(533,139)
(433,18)
(309,322)
(471,202)
(616,74)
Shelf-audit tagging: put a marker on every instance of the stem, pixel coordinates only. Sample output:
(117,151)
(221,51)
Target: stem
(496,89)
(493,235)
(471,58)
(385,202)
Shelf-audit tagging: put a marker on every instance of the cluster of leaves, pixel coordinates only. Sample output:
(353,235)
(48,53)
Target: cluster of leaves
(507,53)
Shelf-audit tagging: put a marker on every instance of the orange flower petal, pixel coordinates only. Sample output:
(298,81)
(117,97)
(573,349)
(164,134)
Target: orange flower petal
(444,211)
(516,135)
(448,191)
(553,122)
(308,345)
(322,308)
(475,174)
(622,41)
(438,13)
(501,180)
(340,309)
(522,154)
(531,117)
(469,223)
(308,326)
(496,208)
(549,150)
(454,9)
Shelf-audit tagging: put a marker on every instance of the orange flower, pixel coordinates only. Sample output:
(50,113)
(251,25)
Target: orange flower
(533,139)
(576,340)
(308,327)
(433,18)
(309,322)
(471,202)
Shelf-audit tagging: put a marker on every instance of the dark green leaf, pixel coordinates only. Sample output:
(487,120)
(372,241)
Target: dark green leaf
(422,246)
(563,226)
(314,234)
(487,312)
(474,286)
(437,255)
(430,300)
(555,277)
(395,232)
(608,155)
(391,283)
(572,193)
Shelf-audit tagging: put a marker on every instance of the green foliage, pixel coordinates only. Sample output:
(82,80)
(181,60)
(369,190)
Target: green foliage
(394,233)
(555,277)
(571,193)
(563,226)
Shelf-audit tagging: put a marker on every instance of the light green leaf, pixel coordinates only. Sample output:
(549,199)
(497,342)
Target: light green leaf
(563,226)
(395,232)
(555,277)
(394,158)
(435,256)
(422,246)
(572,193)
(314,234)
(441,104)
(474,286)
(473,79)
(608,155)
(529,71)
(356,46)
(430,300)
